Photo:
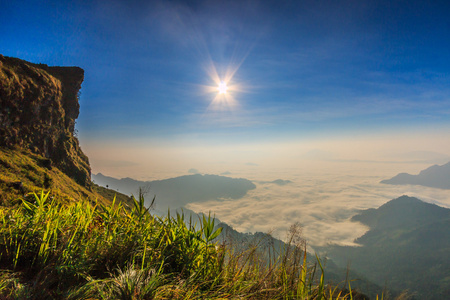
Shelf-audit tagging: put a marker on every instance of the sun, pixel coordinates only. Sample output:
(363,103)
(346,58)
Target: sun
(222,88)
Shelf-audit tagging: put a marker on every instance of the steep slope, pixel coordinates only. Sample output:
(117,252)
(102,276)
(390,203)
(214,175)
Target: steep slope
(38,109)
(22,171)
(406,247)
(38,148)
(434,176)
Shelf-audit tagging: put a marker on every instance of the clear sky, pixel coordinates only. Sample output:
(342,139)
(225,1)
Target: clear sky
(303,78)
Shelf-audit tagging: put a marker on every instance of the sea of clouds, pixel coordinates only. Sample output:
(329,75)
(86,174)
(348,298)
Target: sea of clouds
(330,180)
(321,197)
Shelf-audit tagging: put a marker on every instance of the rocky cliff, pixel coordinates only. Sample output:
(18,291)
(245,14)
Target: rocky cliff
(38,109)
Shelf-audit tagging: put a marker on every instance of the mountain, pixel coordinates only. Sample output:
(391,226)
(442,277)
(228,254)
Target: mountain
(38,109)
(279,182)
(406,247)
(435,176)
(179,191)
(38,145)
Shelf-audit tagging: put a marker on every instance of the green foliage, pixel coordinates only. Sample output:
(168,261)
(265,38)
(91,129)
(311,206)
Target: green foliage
(75,250)
(22,172)
(47,181)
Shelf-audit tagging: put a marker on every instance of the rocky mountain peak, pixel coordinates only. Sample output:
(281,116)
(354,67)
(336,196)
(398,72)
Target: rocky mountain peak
(38,109)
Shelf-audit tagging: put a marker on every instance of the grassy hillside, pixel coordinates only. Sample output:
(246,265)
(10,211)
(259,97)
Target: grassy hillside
(22,172)
(53,249)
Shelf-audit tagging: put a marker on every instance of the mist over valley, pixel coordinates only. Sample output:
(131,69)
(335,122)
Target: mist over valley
(322,199)
(346,213)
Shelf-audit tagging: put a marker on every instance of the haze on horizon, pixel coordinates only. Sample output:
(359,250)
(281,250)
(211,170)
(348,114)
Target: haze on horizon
(356,80)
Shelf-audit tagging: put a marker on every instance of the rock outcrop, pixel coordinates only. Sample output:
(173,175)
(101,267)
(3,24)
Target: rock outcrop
(38,109)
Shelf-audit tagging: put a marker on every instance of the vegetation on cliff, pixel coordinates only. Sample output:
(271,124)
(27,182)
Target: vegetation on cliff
(38,109)
(22,172)
(38,148)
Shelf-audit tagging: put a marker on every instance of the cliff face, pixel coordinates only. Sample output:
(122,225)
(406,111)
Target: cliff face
(38,109)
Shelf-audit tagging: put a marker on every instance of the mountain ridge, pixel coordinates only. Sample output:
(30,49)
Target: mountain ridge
(436,176)
(181,190)
(407,246)
(392,213)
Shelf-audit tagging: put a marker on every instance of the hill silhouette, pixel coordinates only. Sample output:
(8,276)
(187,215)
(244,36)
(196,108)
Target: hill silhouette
(435,176)
(406,247)
(179,191)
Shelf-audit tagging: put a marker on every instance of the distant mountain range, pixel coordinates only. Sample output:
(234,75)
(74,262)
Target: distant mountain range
(435,176)
(407,247)
(280,182)
(179,191)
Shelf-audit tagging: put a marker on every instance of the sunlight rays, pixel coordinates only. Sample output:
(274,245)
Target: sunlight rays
(220,57)
(223,87)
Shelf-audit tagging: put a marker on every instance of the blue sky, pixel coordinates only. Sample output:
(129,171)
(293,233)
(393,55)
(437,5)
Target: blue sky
(301,69)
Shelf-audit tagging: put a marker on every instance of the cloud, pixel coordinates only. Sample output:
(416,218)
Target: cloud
(317,154)
(420,157)
(321,200)
(115,163)
(193,171)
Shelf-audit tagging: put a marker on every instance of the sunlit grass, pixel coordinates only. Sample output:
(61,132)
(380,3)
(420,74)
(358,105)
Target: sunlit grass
(74,250)
(22,172)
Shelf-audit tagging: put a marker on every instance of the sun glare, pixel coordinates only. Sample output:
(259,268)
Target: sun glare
(222,88)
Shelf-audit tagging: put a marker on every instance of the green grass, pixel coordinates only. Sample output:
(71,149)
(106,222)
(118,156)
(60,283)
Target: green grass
(22,172)
(54,249)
